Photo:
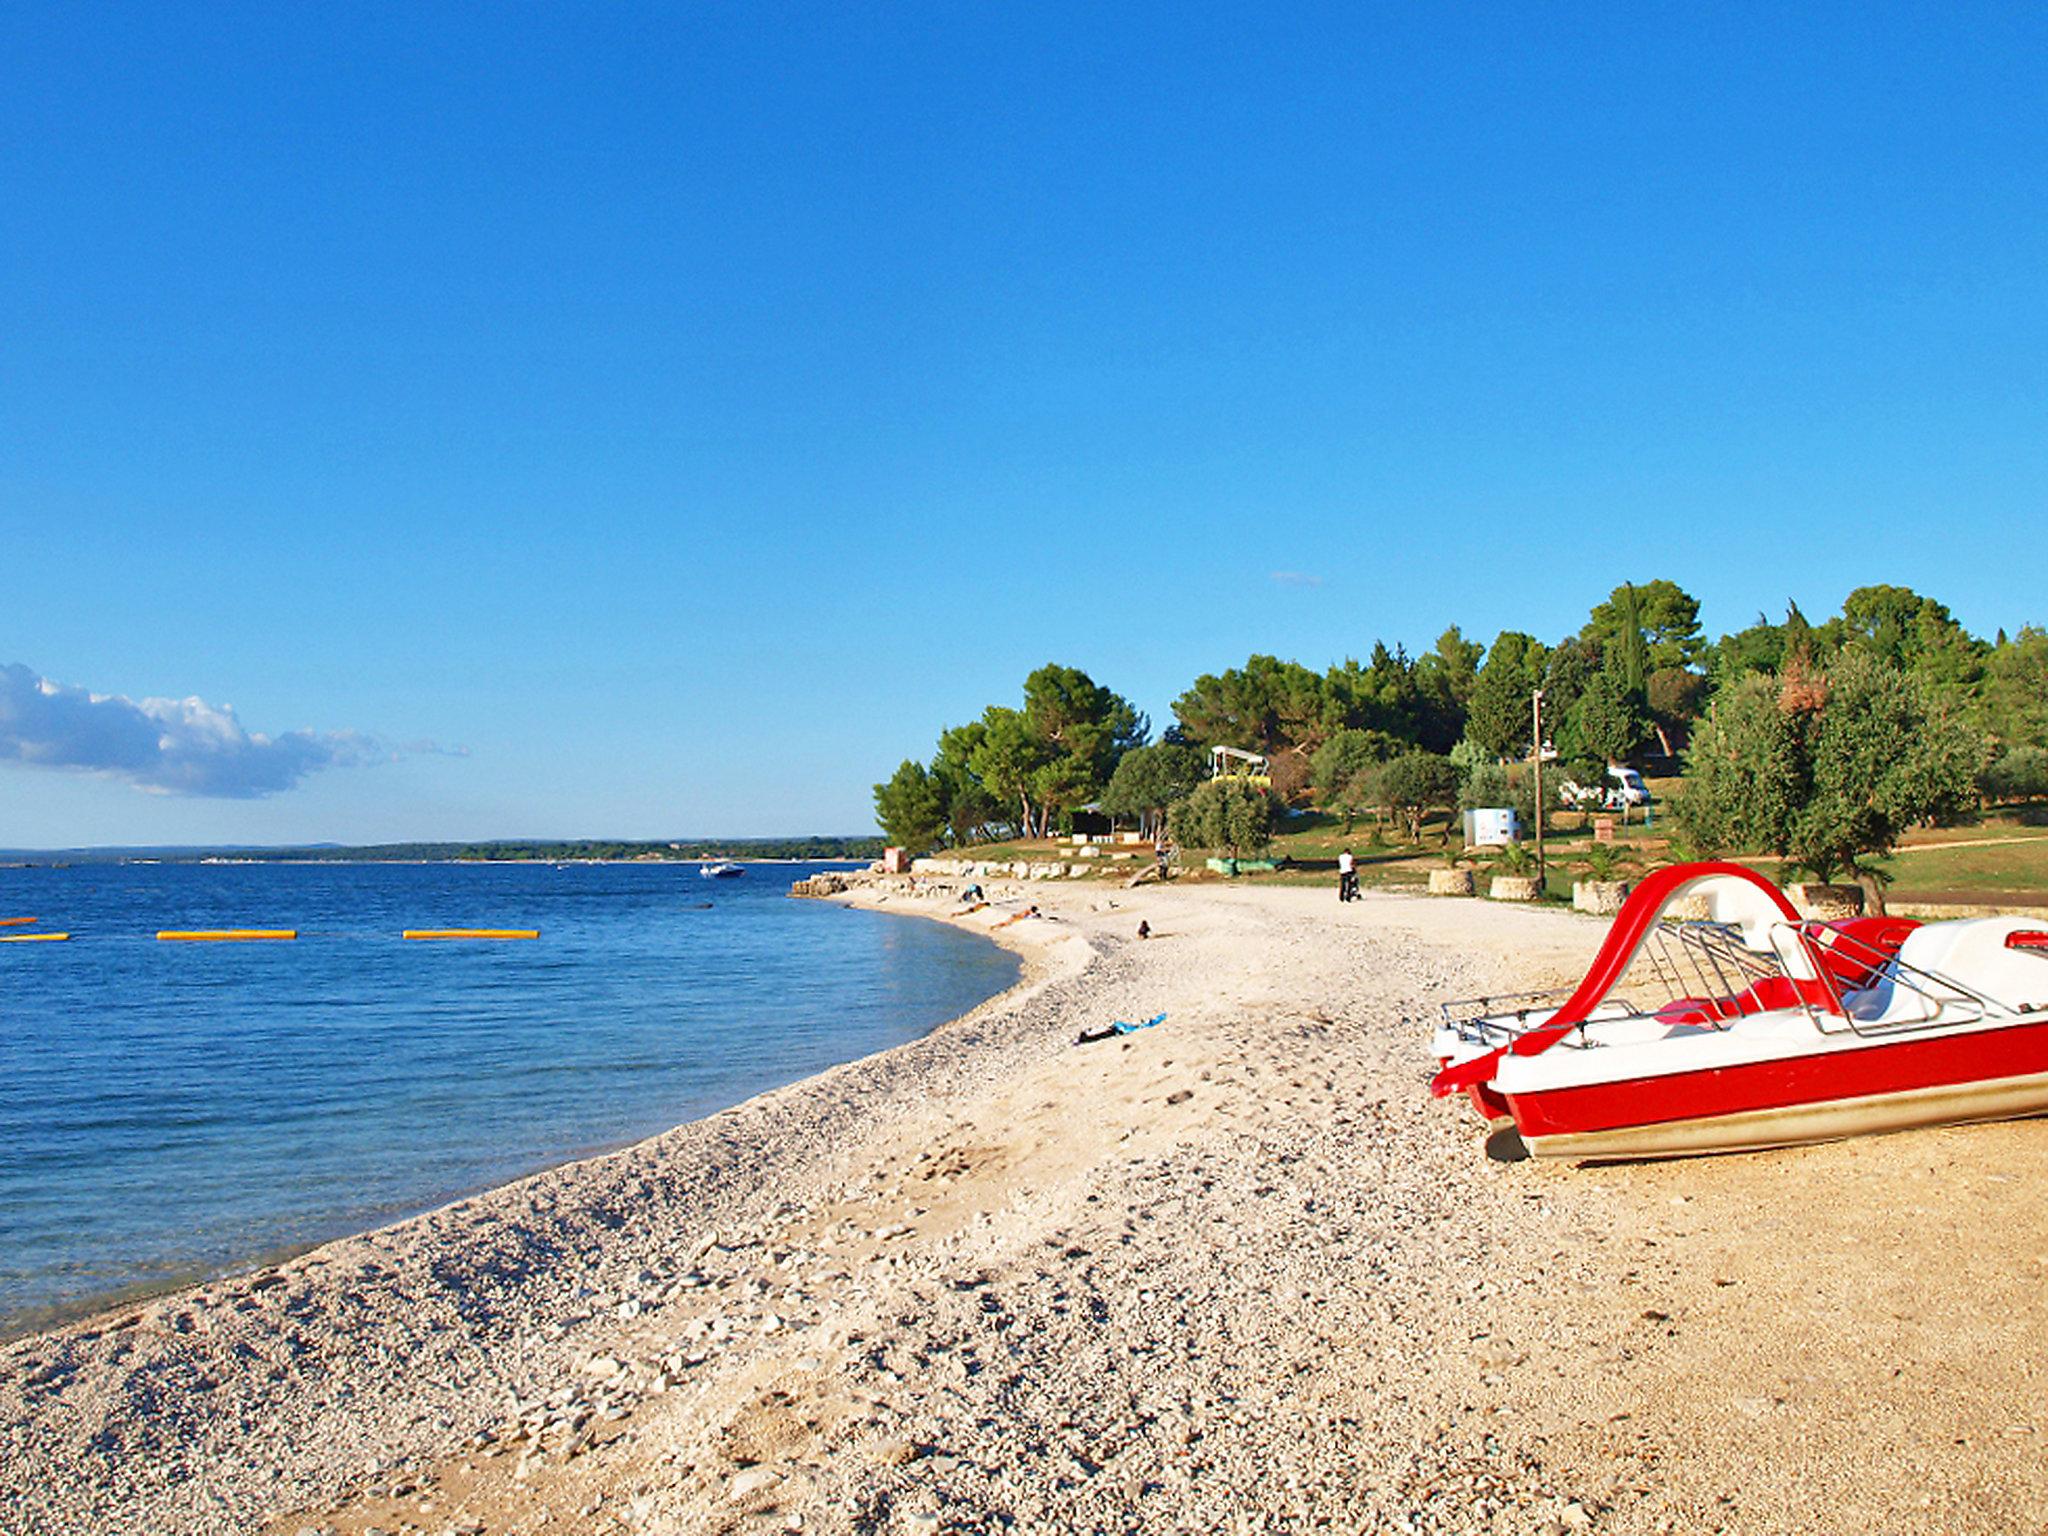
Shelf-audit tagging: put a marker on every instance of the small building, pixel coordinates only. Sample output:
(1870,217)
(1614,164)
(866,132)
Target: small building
(895,861)
(1492,827)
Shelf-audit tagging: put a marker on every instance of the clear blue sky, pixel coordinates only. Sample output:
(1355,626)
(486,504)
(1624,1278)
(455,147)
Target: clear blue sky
(686,415)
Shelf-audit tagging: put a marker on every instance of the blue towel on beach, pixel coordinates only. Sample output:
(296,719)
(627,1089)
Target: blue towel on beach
(1131,1029)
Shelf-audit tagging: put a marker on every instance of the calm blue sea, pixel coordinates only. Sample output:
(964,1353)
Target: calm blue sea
(170,1110)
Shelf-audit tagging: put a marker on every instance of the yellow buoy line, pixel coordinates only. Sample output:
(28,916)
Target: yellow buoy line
(261,935)
(471,933)
(224,935)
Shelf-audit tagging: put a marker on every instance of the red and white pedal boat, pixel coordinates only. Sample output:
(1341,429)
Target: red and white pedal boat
(1715,1019)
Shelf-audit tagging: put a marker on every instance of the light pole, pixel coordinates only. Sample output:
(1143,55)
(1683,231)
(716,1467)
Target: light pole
(1536,756)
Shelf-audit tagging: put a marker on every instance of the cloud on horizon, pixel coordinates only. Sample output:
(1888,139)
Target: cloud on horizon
(1295,579)
(165,746)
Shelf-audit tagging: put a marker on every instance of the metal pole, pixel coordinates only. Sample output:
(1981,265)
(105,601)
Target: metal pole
(1536,754)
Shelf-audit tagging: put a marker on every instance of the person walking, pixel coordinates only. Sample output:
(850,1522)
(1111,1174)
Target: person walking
(1347,876)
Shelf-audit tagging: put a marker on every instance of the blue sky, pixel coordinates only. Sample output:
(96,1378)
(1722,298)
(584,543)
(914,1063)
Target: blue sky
(651,422)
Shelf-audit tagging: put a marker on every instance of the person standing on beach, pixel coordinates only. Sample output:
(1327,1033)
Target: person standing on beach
(1163,851)
(1347,876)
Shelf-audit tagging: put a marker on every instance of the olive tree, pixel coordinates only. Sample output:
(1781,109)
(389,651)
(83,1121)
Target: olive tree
(1827,768)
(1415,783)
(1346,772)
(1227,814)
(1149,779)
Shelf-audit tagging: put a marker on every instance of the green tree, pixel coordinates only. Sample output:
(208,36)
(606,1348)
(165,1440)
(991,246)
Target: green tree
(1346,771)
(970,809)
(909,809)
(1827,768)
(1675,696)
(1612,716)
(1149,779)
(1006,761)
(1763,647)
(1079,719)
(1498,715)
(1900,626)
(2016,690)
(1054,754)
(1417,782)
(1484,786)
(1269,706)
(1456,662)
(1226,814)
(1660,616)
(1446,678)
(1391,694)
(1569,669)
(2018,773)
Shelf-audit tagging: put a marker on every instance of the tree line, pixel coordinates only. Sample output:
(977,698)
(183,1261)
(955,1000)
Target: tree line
(1783,728)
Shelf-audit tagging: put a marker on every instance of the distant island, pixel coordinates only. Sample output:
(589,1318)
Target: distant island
(807,849)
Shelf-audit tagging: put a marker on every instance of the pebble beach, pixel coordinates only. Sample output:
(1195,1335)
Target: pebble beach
(1234,1272)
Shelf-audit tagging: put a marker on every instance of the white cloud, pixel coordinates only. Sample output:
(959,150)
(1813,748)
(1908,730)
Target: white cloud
(1295,579)
(166,746)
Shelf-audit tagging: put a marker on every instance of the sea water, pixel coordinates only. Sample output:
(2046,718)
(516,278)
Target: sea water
(171,1110)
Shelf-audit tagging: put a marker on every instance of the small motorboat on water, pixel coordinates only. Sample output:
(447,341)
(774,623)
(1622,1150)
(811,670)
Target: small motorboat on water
(723,869)
(1715,1019)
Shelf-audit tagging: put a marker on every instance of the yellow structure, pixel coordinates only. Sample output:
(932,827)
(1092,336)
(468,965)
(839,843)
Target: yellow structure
(1235,763)
(32,938)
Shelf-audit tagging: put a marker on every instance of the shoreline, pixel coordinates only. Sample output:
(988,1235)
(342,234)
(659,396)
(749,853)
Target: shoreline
(1235,1267)
(124,1300)
(152,1279)
(209,1311)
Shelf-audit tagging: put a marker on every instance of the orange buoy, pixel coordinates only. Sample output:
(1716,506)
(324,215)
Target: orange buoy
(32,938)
(16,922)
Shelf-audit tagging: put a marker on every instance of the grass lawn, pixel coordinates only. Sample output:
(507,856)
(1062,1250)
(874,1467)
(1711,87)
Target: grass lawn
(1966,869)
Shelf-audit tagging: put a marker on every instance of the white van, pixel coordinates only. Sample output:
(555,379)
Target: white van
(1625,789)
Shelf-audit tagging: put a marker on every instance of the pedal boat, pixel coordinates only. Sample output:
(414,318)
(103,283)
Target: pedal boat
(1715,1019)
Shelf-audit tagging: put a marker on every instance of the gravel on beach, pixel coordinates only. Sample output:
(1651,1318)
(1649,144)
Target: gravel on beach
(1236,1272)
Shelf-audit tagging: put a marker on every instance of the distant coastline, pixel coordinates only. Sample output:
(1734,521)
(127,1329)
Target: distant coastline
(768,850)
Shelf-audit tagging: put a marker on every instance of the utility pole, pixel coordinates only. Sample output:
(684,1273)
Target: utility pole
(1536,755)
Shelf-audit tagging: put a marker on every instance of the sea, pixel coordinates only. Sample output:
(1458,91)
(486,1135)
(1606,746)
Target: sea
(172,1111)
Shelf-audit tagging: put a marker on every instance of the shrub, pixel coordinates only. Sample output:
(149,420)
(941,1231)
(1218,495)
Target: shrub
(1227,814)
(2020,774)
